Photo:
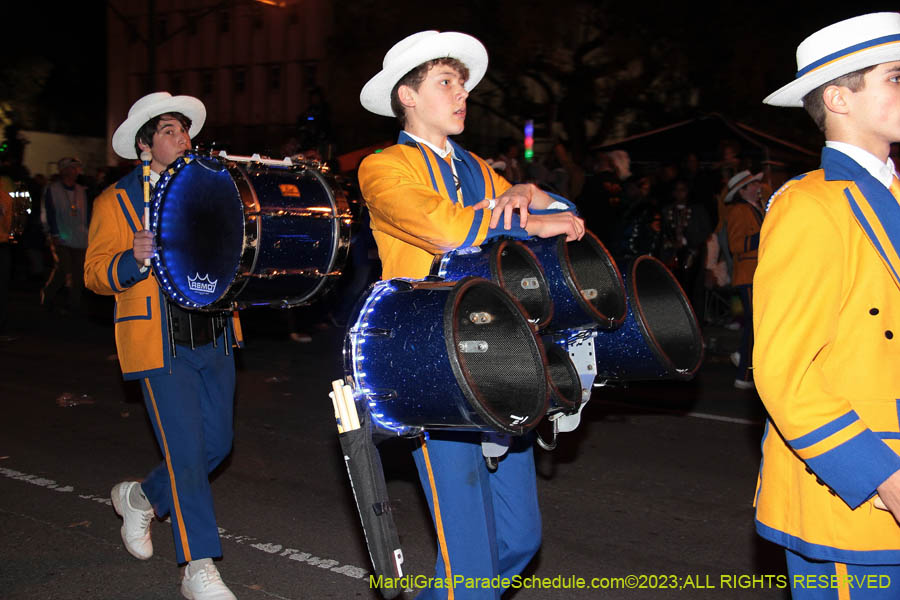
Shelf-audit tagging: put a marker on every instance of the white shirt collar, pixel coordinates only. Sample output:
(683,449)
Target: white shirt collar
(154,178)
(882,171)
(448,149)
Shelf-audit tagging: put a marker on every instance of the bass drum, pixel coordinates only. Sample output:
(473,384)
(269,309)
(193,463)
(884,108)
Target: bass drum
(236,233)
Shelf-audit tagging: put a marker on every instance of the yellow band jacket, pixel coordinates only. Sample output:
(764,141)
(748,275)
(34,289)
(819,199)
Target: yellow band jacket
(141,327)
(826,299)
(417,211)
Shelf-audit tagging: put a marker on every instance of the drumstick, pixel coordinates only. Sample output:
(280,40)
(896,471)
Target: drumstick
(342,407)
(351,407)
(337,416)
(146,157)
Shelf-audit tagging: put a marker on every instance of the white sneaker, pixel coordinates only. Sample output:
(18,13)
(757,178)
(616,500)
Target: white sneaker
(736,358)
(744,385)
(136,522)
(203,582)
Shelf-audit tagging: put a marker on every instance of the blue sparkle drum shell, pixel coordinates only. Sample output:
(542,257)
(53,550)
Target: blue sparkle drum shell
(444,355)
(660,339)
(585,284)
(508,263)
(237,234)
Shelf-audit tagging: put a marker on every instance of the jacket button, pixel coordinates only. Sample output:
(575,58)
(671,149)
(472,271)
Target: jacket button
(889,334)
(873,311)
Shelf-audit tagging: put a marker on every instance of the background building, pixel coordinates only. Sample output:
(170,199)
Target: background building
(257,66)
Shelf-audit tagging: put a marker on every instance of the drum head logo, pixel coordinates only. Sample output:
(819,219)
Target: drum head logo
(202,285)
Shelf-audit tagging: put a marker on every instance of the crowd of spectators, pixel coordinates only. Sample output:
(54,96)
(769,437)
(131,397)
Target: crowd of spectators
(674,211)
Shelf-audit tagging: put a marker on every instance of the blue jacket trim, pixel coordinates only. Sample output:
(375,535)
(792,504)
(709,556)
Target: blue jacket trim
(820,552)
(864,223)
(109,276)
(851,478)
(145,317)
(817,435)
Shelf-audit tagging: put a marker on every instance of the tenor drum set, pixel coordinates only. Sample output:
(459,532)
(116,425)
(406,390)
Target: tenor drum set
(494,340)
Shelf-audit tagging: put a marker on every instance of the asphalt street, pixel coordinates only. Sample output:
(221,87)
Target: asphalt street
(656,483)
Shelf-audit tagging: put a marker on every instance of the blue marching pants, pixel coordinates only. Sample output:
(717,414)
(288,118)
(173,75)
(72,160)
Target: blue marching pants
(823,580)
(192,411)
(487,524)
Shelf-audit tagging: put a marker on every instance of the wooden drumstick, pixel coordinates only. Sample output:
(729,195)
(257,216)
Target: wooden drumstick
(351,407)
(343,415)
(337,415)
(146,157)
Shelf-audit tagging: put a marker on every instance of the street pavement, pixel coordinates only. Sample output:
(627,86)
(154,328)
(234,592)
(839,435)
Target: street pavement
(656,483)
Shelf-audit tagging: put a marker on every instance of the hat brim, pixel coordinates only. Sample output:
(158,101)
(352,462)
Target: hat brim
(376,94)
(740,186)
(192,108)
(792,94)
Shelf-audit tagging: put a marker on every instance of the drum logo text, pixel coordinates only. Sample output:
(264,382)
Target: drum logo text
(202,284)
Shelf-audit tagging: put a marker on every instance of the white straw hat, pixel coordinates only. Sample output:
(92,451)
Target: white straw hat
(412,51)
(740,180)
(839,49)
(153,105)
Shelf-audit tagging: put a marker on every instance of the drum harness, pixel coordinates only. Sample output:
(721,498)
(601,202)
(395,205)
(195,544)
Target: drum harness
(193,329)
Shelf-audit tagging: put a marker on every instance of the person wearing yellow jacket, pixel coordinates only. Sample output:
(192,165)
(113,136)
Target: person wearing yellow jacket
(188,392)
(827,324)
(427,195)
(743,219)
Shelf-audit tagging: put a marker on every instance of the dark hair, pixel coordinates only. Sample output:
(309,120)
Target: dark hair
(814,102)
(145,133)
(415,78)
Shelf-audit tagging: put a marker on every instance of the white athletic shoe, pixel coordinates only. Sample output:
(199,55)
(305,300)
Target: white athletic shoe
(735,358)
(135,522)
(744,385)
(203,582)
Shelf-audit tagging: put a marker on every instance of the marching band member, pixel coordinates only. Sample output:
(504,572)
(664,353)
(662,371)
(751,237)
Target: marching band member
(427,195)
(189,396)
(826,305)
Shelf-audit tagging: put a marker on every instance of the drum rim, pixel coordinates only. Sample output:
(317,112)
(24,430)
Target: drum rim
(601,320)
(465,385)
(552,348)
(650,340)
(542,321)
(157,204)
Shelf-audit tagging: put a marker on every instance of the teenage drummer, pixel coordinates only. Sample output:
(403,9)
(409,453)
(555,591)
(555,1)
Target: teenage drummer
(188,385)
(427,195)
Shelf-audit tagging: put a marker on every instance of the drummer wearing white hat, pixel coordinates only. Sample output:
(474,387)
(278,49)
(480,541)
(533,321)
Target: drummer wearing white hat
(826,309)
(189,394)
(427,195)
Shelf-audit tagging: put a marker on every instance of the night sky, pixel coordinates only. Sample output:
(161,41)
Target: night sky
(71,38)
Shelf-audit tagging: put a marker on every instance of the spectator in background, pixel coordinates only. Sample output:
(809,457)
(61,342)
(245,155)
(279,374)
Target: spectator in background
(508,153)
(6,222)
(744,217)
(66,217)
(641,229)
(685,228)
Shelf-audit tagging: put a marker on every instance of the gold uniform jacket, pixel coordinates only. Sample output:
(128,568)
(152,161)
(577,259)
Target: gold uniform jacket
(743,223)
(416,210)
(142,339)
(826,300)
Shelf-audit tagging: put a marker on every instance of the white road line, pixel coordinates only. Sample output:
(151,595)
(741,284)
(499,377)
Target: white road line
(278,550)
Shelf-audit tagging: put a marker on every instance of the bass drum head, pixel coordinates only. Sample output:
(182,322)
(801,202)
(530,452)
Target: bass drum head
(199,224)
